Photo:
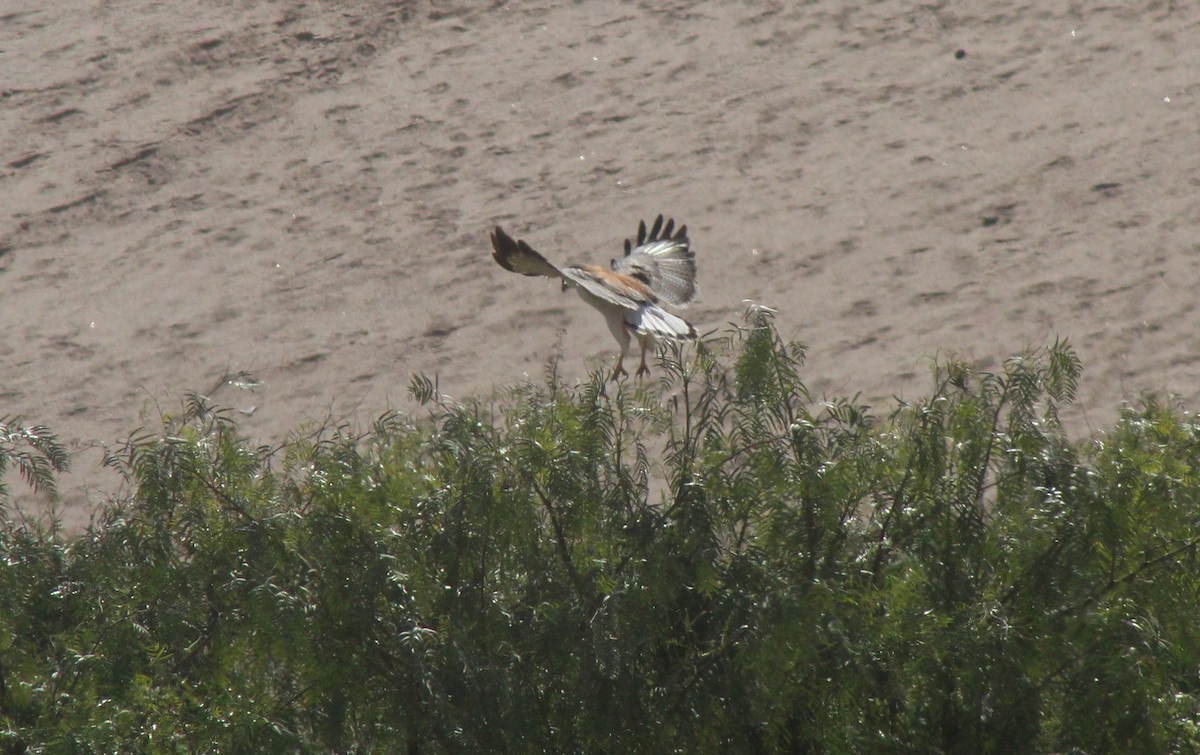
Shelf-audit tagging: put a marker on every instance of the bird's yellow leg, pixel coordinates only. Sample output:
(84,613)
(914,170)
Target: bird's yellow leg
(619,370)
(643,369)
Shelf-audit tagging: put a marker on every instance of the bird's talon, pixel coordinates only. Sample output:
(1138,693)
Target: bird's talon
(643,371)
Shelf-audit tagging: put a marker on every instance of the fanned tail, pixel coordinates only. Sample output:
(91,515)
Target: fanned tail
(655,321)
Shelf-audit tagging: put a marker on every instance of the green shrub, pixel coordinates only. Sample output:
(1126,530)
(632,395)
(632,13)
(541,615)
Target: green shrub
(716,563)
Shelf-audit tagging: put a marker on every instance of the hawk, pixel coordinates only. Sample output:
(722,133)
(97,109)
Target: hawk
(660,267)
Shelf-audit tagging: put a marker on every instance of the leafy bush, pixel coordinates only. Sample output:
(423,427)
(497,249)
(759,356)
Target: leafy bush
(34,452)
(719,563)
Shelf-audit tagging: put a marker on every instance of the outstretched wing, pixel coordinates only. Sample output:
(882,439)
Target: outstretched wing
(519,257)
(663,260)
(614,288)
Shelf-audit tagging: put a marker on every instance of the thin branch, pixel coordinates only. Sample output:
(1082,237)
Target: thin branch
(1131,576)
(564,552)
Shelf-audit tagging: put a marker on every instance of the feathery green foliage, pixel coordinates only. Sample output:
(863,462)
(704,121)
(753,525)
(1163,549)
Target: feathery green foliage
(716,563)
(34,452)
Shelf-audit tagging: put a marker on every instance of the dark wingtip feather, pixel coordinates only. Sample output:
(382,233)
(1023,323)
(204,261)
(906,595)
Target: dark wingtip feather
(657,227)
(628,247)
(641,237)
(670,226)
(502,245)
(505,247)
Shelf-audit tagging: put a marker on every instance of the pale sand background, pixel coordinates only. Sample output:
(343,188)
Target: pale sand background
(304,189)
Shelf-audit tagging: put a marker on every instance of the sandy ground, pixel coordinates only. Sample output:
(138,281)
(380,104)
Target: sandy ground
(303,189)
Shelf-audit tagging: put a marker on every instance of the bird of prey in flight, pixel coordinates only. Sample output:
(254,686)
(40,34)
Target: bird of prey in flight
(659,268)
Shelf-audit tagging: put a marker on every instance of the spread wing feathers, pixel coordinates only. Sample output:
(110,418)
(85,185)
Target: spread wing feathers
(649,319)
(606,286)
(663,260)
(519,257)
